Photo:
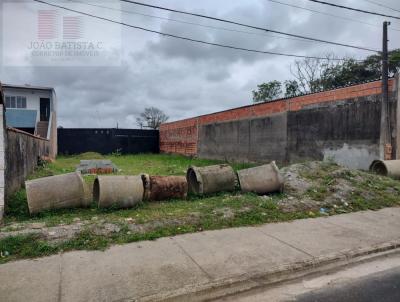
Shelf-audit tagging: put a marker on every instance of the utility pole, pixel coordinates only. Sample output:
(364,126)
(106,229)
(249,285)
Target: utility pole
(386,137)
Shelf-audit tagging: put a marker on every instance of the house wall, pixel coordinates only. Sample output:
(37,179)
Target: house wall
(32,98)
(22,154)
(341,124)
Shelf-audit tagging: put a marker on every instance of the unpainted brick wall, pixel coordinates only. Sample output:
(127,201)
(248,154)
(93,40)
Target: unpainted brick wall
(181,137)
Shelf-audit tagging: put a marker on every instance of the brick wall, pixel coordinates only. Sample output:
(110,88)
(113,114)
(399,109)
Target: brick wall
(181,137)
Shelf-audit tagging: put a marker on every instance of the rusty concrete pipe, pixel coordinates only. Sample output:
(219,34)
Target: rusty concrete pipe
(56,192)
(119,191)
(261,180)
(211,179)
(159,188)
(390,168)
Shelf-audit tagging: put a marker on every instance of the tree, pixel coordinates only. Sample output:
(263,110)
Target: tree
(292,89)
(310,72)
(314,75)
(267,92)
(151,118)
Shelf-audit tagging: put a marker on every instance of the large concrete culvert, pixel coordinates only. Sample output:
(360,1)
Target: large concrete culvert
(211,179)
(261,180)
(118,191)
(390,168)
(57,192)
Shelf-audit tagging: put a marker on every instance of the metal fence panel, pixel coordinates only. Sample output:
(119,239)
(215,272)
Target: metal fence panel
(106,141)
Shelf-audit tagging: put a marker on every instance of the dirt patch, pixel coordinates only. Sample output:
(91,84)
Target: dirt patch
(318,186)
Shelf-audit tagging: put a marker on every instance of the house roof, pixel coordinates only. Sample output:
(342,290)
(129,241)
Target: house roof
(27,86)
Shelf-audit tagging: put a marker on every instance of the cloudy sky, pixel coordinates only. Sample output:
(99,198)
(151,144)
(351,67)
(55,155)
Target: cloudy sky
(138,69)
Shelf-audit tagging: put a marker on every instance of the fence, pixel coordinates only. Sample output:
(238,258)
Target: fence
(22,153)
(106,141)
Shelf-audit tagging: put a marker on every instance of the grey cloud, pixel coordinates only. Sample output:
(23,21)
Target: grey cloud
(186,79)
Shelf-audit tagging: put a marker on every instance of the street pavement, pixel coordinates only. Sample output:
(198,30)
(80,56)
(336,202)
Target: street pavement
(151,270)
(377,280)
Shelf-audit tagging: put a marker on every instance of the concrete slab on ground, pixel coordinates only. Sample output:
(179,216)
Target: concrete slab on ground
(127,272)
(381,225)
(317,237)
(36,280)
(237,251)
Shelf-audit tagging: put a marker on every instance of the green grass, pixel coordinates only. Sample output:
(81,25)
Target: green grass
(153,164)
(169,218)
(248,210)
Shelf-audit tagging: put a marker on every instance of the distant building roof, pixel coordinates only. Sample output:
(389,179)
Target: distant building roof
(27,86)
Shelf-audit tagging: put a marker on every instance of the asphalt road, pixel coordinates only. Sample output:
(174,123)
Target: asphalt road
(377,280)
(381,287)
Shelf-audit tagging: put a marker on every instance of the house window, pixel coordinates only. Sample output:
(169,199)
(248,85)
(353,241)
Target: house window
(16,102)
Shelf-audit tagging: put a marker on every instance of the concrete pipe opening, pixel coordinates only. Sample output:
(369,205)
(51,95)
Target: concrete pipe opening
(118,191)
(158,188)
(57,192)
(211,179)
(390,168)
(261,180)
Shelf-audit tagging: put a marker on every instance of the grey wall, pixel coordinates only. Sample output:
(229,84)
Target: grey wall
(347,132)
(22,153)
(255,140)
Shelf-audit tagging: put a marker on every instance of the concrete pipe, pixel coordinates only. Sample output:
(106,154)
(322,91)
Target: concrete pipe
(159,188)
(205,180)
(261,180)
(118,191)
(56,192)
(389,168)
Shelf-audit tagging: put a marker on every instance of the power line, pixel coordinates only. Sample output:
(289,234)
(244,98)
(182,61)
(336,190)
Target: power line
(192,23)
(188,39)
(382,5)
(328,14)
(249,26)
(354,9)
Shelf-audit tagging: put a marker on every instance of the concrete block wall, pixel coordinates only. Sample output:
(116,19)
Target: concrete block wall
(242,133)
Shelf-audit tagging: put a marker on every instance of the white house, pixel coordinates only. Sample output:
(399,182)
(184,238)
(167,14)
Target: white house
(32,109)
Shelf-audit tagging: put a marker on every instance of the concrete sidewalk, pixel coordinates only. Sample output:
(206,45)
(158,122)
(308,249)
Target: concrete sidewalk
(171,266)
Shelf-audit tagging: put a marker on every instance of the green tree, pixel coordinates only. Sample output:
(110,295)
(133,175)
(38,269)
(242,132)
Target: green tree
(267,92)
(292,88)
(314,75)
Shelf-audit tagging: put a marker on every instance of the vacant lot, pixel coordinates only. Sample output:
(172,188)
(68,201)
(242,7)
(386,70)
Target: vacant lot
(312,189)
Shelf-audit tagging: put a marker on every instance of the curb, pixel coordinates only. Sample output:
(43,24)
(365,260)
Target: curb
(217,289)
